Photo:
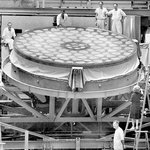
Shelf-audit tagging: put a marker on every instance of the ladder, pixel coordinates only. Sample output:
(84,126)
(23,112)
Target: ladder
(138,133)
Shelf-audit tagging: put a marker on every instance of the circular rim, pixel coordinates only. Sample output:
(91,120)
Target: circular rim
(85,65)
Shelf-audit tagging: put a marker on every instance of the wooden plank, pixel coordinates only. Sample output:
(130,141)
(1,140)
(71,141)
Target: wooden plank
(23,130)
(113,103)
(88,109)
(26,140)
(84,126)
(60,144)
(16,110)
(99,108)
(23,104)
(75,106)
(118,109)
(77,143)
(64,119)
(72,12)
(52,107)
(62,109)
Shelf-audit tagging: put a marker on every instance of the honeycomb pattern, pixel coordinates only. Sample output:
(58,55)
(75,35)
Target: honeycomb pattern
(74,46)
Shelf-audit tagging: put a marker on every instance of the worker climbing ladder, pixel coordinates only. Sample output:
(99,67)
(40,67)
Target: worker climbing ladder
(139,132)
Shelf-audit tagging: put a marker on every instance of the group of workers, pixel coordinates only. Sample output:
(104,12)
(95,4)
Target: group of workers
(102,13)
(117,17)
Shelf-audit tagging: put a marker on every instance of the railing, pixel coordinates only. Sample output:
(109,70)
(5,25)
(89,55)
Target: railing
(69,3)
(26,133)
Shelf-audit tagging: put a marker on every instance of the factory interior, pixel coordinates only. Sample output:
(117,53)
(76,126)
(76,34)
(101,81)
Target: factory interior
(61,88)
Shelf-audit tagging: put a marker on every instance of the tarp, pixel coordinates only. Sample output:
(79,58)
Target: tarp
(63,73)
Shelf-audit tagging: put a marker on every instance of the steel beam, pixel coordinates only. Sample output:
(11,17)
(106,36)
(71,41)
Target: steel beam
(62,109)
(77,143)
(70,11)
(118,109)
(26,140)
(61,144)
(52,107)
(99,108)
(88,109)
(21,103)
(63,119)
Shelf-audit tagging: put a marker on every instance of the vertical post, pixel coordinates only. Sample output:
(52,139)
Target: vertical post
(52,107)
(75,105)
(1,144)
(51,147)
(99,108)
(148,100)
(147,58)
(43,3)
(71,128)
(26,140)
(77,143)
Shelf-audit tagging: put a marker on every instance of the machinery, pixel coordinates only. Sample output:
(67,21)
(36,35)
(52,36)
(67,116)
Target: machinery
(70,83)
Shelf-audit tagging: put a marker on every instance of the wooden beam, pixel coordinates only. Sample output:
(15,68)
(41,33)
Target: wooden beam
(77,143)
(99,108)
(75,106)
(84,126)
(23,130)
(26,140)
(0,133)
(113,103)
(6,101)
(1,143)
(76,119)
(148,100)
(63,119)
(43,3)
(59,126)
(23,104)
(118,109)
(71,11)
(52,107)
(16,110)
(61,144)
(62,109)
(88,109)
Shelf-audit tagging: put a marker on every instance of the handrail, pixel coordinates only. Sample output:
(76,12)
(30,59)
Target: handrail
(23,130)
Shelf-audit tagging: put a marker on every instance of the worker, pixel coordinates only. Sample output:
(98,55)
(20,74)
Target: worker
(135,109)
(101,16)
(118,136)
(8,36)
(118,16)
(62,19)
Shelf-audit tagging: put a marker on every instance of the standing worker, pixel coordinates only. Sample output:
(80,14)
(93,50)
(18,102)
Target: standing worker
(8,36)
(118,136)
(118,16)
(135,109)
(62,19)
(101,16)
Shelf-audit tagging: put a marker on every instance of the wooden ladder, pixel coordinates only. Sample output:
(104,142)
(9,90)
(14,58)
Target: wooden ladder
(137,139)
